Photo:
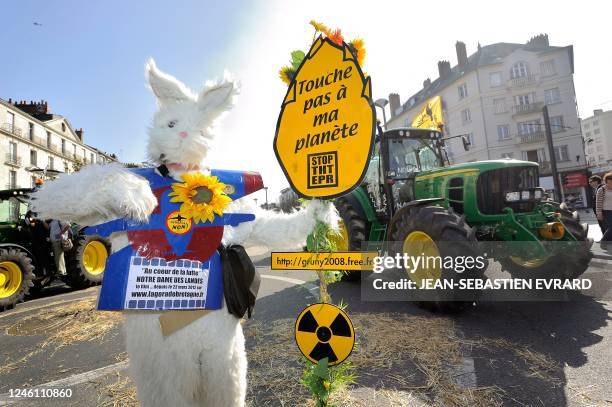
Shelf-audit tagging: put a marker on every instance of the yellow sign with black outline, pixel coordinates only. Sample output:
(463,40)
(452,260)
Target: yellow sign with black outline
(324,331)
(178,224)
(325,130)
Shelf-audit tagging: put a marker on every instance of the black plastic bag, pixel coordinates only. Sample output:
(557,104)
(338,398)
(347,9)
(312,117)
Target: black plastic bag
(241,280)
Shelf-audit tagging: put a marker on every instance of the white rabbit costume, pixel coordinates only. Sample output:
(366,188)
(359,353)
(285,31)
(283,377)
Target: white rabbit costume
(204,363)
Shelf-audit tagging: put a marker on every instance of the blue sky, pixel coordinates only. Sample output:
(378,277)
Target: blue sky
(87,59)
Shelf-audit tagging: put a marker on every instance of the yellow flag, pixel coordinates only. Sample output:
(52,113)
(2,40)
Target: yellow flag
(431,115)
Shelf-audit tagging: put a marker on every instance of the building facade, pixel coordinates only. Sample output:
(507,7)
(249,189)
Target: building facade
(495,98)
(35,143)
(597,132)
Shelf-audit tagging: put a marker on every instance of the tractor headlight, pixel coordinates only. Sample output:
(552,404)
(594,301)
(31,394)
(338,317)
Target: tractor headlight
(524,195)
(513,196)
(537,194)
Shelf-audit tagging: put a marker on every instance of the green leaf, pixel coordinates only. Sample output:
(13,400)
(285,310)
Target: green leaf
(321,369)
(297,57)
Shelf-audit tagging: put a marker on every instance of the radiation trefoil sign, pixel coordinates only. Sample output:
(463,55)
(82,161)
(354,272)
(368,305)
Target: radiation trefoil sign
(325,130)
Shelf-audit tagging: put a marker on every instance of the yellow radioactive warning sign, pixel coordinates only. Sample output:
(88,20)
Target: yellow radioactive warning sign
(325,131)
(324,331)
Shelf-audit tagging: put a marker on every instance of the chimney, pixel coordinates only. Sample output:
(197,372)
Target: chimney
(33,108)
(444,69)
(79,133)
(426,83)
(597,111)
(462,58)
(394,103)
(540,40)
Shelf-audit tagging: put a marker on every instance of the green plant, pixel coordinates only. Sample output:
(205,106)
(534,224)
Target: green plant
(323,380)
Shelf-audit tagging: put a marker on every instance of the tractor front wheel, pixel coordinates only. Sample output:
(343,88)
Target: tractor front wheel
(437,232)
(16,276)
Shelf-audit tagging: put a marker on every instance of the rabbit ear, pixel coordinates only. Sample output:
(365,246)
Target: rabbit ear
(217,98)
(166,87)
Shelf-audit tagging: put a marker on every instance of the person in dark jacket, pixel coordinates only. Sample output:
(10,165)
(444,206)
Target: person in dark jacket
(595,183)
(603,209)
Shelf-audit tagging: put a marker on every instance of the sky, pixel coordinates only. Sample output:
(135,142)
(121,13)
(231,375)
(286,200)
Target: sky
(87,58)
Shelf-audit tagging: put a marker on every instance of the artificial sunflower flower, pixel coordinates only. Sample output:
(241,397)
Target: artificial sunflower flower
(319,27)
(358,49)
(202,196)
(336,37)
(286,74)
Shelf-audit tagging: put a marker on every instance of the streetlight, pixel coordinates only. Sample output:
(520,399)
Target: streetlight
(382,102)
(266,189)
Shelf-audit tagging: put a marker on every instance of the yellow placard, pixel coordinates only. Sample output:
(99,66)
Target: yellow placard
(430,117)
(325,131)
(324,331)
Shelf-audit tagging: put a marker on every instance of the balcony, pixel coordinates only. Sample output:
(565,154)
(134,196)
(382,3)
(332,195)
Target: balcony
(12,160)
(11,129)
(532,137)
(535,107)
(522,81)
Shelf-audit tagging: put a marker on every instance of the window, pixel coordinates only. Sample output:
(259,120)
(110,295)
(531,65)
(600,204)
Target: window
(466,116)
(499,105)
(495,79)
(33,158)
(595,123)
(12,155)
(407,123)
(66,167)
(600,158)
(63,146)
(74,150)
(12,179)
(503,132)
(31,131)
(470,138)
(10,120)
(84,156)
(507,155)
(463,92)
(596,131)
(48,139)
(552,96)
(519,70)
(600,148)
(561,153)
(547,68)
(587,134)
(586,126)
(556,124)
(530,127)
(91,158)
(63,127)
(51,163)
(522,100)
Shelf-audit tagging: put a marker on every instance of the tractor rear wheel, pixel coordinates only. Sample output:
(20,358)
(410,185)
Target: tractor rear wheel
(418,231)
(353,231)
(16,275)
(86,262)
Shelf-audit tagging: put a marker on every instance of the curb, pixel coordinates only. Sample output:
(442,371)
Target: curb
(602,256)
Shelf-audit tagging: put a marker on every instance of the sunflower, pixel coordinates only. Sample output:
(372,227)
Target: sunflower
(319,27)
(202,196)
(358,49)
(336,36)
(287,74)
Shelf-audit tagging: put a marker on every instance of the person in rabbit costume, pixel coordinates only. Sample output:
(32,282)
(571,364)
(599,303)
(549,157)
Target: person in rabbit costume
(203,363)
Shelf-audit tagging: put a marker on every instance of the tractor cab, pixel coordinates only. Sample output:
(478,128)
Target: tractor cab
(400,155)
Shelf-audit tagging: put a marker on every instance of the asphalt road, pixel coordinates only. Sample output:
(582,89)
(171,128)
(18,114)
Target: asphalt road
(539,353)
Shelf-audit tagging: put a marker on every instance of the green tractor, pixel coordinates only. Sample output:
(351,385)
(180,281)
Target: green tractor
(26,255)
(410,196)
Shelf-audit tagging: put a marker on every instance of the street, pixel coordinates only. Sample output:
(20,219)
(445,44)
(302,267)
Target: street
(504,353)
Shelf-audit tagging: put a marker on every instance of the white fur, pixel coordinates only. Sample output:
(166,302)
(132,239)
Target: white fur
(95,194)
(204,363)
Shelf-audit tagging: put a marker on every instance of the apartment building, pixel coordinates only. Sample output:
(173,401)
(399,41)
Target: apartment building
(597,132)
(34,143)
(495,98)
